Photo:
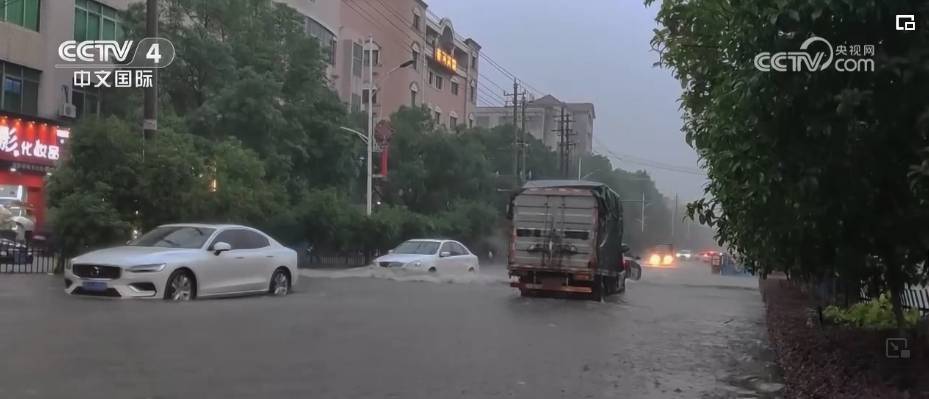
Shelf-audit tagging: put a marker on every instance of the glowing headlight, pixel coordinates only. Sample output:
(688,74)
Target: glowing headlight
(654,259)
(147,268)
(668,259)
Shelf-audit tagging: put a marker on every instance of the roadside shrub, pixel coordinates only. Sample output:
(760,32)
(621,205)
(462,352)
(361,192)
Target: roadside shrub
(875,314)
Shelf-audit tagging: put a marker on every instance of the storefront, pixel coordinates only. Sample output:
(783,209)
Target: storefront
(29,151)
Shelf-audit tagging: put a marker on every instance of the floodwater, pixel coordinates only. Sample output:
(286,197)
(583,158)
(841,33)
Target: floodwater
(374,333)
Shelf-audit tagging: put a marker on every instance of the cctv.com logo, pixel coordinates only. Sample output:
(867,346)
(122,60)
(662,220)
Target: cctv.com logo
(808,60)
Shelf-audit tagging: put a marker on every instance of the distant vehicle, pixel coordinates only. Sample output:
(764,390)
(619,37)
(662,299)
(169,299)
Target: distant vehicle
(432,255)
(661,256)
(181,262)
(17,215)
(684,254)
(14,253)
(707,256)
(567,238)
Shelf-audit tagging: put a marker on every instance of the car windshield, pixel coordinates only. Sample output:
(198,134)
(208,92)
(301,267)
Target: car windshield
(174,237)
(417,248)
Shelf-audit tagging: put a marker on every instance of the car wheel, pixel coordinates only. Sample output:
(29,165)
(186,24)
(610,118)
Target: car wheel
(280,283)
(471,269)
(432,270)
(180,287)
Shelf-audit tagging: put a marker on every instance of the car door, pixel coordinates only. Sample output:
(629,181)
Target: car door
(228,271)
(446,263)
(260,258)
(466,259)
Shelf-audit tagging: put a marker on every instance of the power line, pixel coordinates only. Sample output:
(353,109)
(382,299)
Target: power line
(647,162)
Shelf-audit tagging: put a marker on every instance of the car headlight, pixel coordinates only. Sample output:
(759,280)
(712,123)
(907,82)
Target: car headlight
(668,259)
(654,259)
(157,267)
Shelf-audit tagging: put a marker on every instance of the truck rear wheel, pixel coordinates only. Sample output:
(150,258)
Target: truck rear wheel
(598,289)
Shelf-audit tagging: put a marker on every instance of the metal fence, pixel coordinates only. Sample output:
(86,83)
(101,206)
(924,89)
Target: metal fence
(17,257)
(911,298)
(314,259)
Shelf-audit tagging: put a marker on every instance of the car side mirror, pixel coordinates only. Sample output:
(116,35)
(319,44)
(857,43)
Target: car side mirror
(625,248)
(445,254)
(221,247)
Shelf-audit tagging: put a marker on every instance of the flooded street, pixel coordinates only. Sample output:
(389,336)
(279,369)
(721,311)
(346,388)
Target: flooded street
(371,333)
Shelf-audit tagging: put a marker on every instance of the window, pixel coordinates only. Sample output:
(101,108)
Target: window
(415,59)
(413,98)
(252,240)
(474,61)
(447,247)
(230,237)
(356,103)
(473,94)
(452,122)
(19,88)
(175,237)
(455,88)
(377,57)
(95,21)
(458,249)
(438,82)
(325,37)
(364,96)
(86,100)
(24,13)
(357,58)
(431,78)
(438,117)
(416,21)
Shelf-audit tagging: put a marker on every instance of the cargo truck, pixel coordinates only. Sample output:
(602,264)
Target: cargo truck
(566,237)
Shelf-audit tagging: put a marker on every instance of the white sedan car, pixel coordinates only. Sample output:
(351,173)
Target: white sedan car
(431,256)
(181,262)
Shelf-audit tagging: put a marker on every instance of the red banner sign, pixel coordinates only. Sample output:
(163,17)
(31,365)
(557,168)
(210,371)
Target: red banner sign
(31,142)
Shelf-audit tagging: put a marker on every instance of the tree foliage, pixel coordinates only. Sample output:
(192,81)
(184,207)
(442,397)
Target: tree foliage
(810,172)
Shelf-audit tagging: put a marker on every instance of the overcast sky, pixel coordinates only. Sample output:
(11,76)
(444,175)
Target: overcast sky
(589,51)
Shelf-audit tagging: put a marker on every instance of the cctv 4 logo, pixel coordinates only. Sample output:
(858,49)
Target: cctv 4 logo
(95,51)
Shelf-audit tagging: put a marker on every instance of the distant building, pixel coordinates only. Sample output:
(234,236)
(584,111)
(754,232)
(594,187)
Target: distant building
(542,121)
(444,72)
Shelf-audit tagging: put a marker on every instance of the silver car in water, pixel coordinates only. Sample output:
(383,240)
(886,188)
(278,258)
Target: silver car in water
(182,262)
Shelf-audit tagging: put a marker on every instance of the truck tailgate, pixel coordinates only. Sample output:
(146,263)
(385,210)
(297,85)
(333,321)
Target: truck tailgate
(554,229)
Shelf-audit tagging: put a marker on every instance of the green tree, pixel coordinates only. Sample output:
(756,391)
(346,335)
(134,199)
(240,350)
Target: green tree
(808,170)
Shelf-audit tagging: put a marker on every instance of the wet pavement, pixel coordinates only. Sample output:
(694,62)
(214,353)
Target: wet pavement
(370,333)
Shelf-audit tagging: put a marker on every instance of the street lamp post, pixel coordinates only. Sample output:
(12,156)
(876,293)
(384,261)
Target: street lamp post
(370,122)
(368,138)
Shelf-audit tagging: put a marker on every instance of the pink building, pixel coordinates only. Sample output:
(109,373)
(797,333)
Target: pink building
(443,76)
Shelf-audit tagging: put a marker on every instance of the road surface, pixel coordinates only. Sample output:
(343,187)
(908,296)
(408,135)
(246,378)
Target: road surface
(363,334)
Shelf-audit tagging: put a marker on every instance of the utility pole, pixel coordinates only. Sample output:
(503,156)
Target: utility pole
(673,218)
(524,145)
(150,110)
(517,133)
(643,211)
(566,143)
(369,48)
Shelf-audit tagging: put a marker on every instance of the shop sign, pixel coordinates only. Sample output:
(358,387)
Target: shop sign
(31,142)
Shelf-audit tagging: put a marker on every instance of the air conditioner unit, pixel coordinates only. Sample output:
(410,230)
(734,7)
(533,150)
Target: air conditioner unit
(68,111)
